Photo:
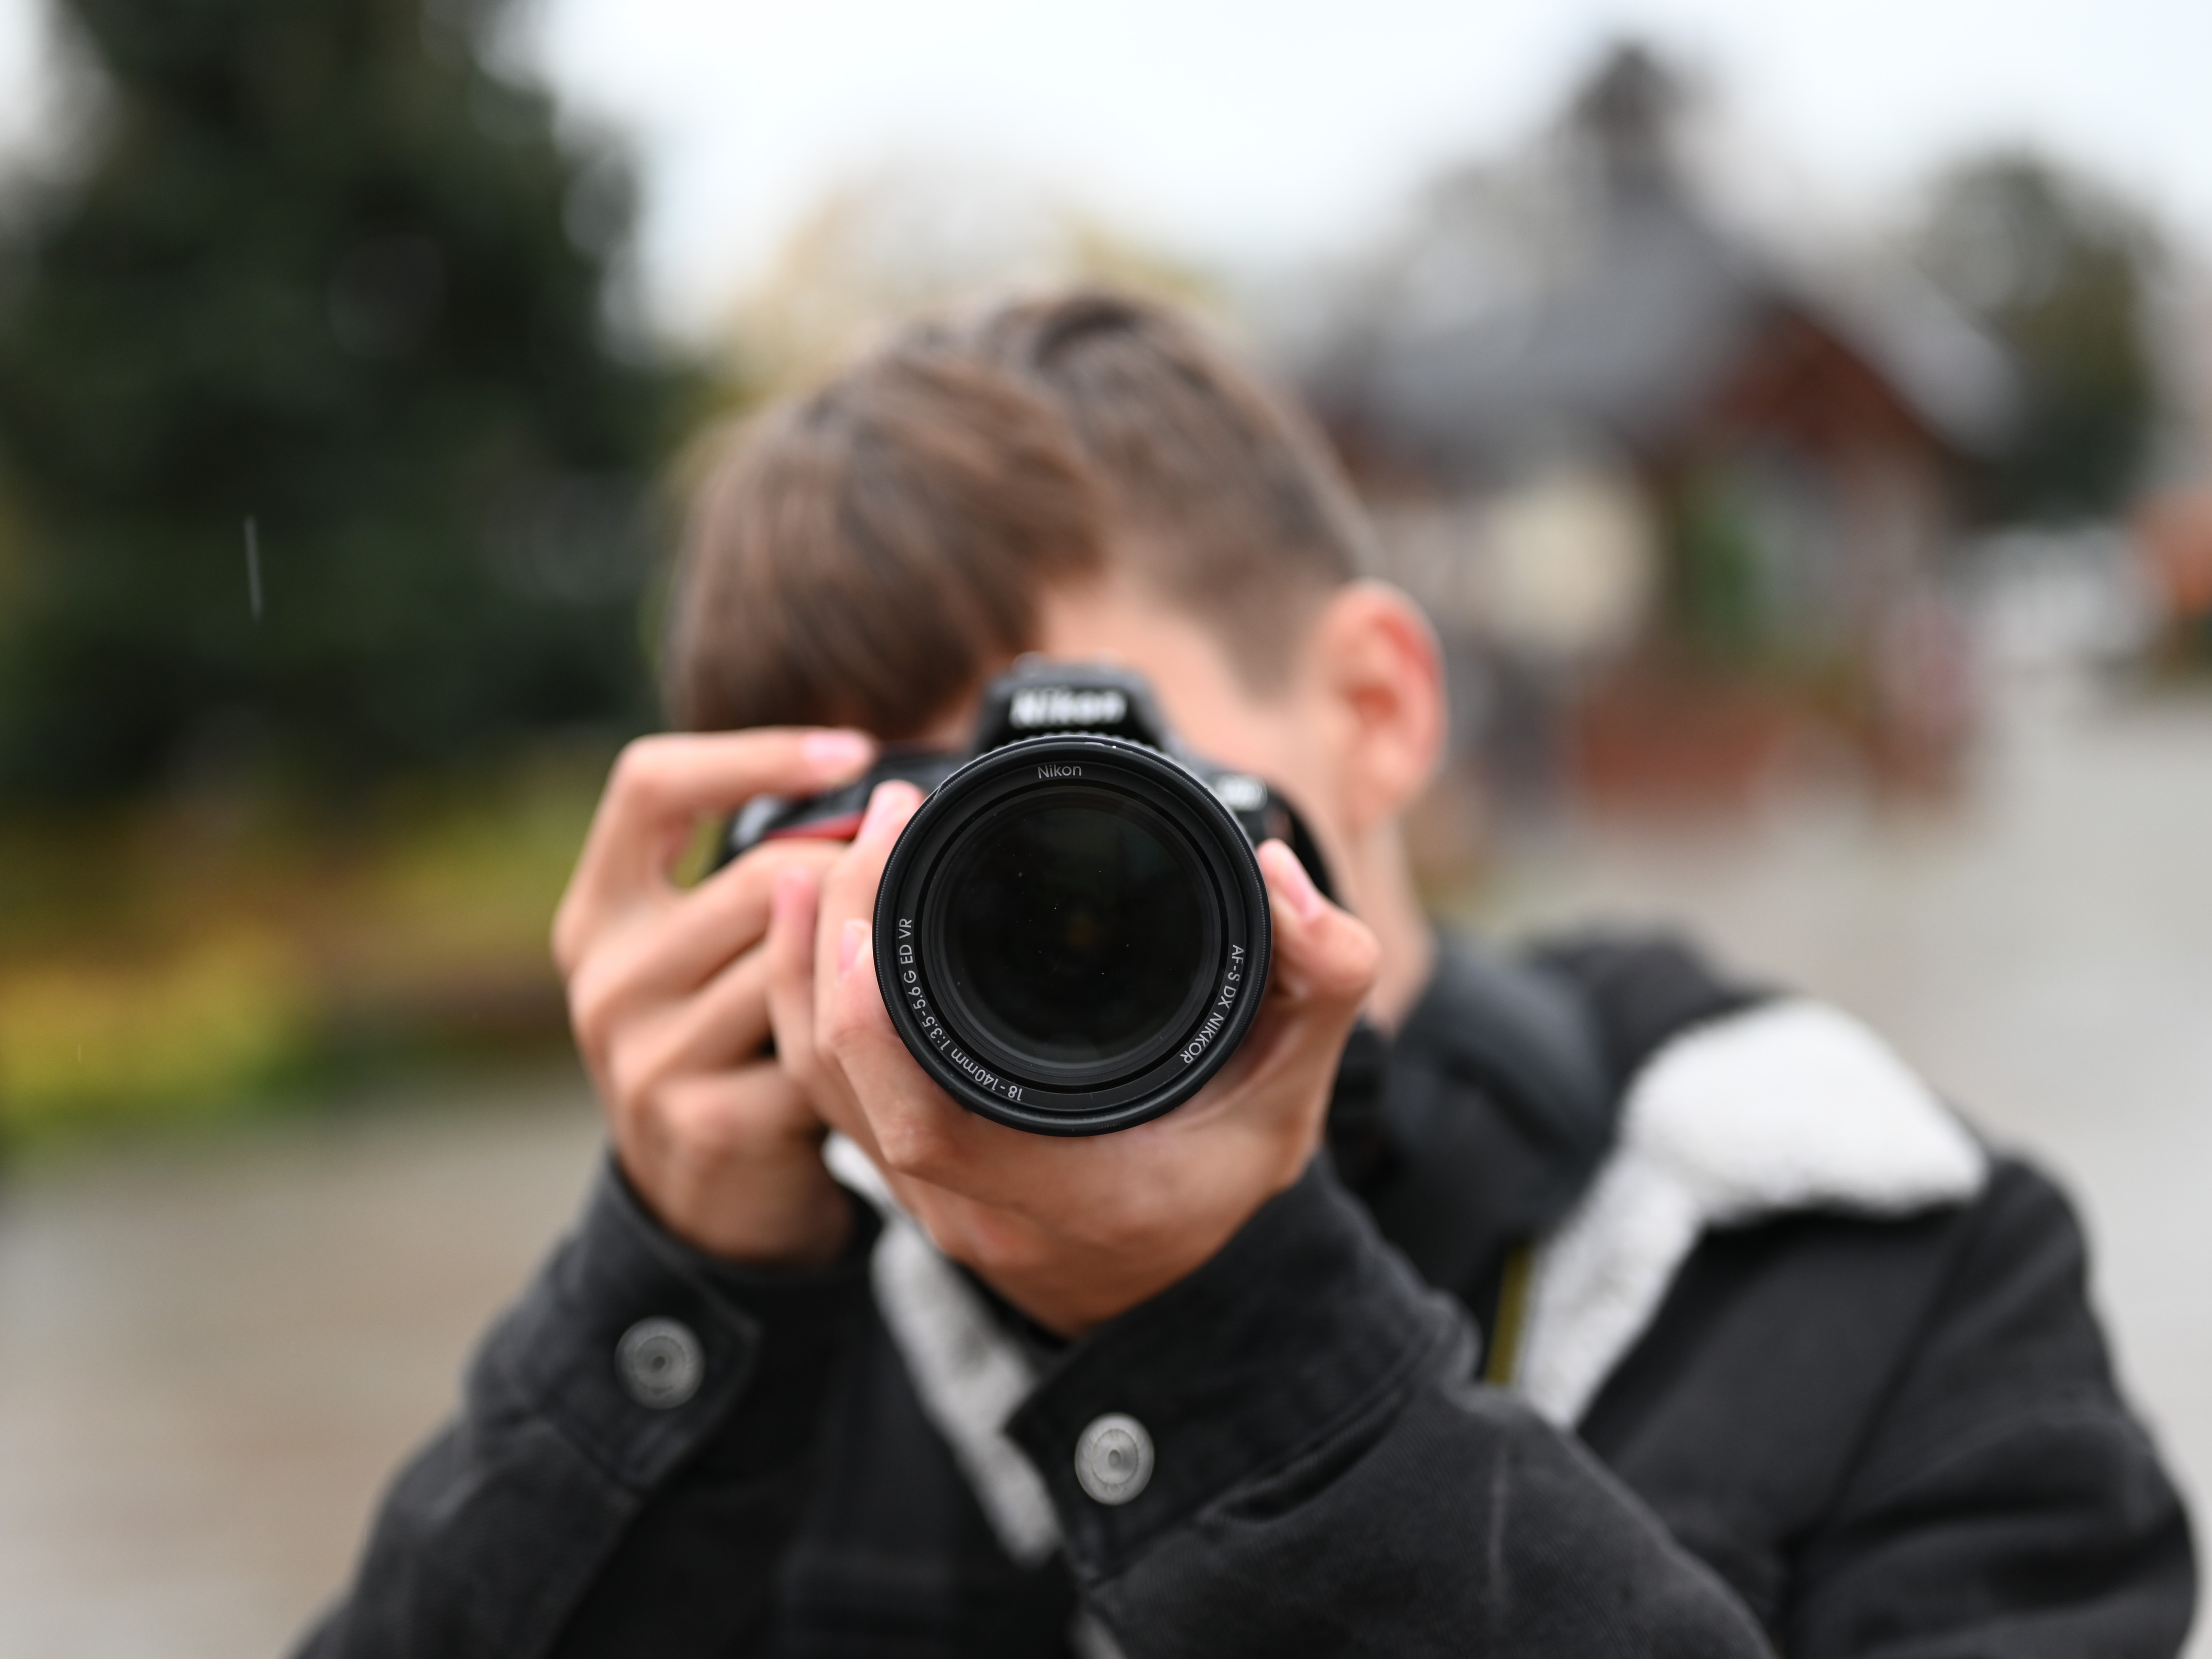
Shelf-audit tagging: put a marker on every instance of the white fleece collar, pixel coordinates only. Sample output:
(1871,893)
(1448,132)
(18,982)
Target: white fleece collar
(1790,1106)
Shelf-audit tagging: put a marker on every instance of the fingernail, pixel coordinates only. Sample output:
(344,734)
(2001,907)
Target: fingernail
(890,803)
(850,944)
(1296,886)
(836,754)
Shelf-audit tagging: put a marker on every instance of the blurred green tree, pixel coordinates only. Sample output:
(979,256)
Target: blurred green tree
(322,266)
(2059,271)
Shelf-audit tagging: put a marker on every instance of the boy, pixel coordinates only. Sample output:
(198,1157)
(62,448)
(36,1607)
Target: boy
(1633,1312)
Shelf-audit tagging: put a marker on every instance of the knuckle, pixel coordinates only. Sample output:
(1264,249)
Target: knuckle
(642,769)
(1361,958)
(843,1036)
(838,1025)
(590,1004)
(635,1077)
(799,1065)
(910,1145)
(745,887)
(773,1087)
(702,1122)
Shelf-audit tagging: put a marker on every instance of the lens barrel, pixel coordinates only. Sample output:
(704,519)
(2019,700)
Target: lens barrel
(1072,934)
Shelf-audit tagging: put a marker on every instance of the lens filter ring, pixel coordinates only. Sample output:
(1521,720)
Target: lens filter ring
(1072,934)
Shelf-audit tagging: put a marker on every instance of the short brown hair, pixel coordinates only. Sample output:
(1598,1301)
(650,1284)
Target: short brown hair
(866,554)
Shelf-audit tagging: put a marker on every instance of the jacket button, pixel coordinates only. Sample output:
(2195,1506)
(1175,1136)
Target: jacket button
(1114,1458)
(660,1363)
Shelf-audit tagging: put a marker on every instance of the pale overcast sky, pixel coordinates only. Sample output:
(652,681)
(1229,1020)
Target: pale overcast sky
(1243,133)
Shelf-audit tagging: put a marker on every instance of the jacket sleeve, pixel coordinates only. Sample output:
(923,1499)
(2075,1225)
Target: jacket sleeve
(534,1516)
(2005,1501)
(1326,1476)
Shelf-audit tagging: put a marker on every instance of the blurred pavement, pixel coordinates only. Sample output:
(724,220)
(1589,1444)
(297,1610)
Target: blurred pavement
(209,1358)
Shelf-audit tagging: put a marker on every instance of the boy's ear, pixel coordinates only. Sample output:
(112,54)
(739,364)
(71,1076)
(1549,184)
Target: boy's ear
(1375,661)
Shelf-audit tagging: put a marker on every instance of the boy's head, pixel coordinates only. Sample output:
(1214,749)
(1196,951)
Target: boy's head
(869,554)
(1088,477)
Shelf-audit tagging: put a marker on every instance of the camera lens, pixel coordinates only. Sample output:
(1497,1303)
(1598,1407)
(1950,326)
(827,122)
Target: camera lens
(1072,934)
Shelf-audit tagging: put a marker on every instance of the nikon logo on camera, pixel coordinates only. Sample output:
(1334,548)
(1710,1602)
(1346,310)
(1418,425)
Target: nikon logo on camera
(1060,771)
(1060,707)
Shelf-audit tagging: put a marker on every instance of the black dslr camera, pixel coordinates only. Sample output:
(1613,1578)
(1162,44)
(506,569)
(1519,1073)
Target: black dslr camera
(1072,934)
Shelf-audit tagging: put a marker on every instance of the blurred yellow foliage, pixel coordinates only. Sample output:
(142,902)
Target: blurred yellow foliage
(196,1032)
(158,968)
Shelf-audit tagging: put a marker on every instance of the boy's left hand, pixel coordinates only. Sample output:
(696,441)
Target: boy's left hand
(1072,1231)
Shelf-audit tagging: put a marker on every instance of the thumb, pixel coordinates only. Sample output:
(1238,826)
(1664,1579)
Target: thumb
(1325,958)
(1323,965)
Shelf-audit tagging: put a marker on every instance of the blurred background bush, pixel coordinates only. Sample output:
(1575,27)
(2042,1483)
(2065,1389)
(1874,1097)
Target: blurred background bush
(317,269)
(329,496)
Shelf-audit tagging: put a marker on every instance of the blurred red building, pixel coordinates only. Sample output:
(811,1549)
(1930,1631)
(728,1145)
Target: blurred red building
(2174,532)
(1679,500)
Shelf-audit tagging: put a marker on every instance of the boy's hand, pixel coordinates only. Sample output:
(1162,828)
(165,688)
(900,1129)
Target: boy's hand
(1072,1231)
(667,992)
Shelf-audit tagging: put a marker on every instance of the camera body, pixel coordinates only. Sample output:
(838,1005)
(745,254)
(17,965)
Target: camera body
(1072,934)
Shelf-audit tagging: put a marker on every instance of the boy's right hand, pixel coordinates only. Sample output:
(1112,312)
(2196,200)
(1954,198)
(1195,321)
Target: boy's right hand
(668,994)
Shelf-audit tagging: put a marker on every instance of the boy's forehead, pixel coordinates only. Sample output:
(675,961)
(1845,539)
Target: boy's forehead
(1120,619)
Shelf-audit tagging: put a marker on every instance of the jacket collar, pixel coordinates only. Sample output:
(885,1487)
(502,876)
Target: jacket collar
(1613,1099)
(1787,1107)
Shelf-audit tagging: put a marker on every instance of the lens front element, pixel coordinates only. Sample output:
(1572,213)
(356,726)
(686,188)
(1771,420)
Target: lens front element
(1072,934)
(1075,931)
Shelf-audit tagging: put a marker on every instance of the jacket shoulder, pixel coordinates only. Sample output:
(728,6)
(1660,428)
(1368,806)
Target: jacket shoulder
(1874,1425)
